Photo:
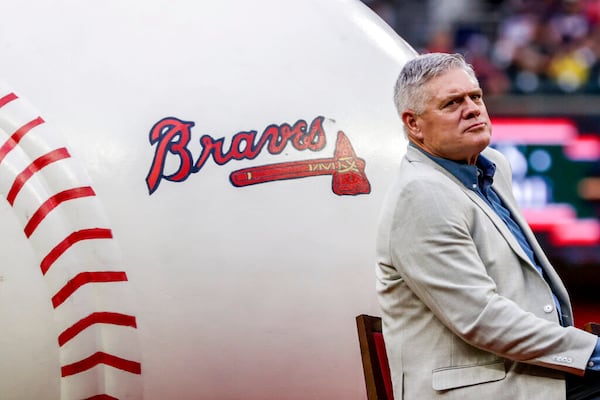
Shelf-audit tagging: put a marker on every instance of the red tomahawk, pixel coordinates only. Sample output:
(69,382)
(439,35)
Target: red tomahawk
(347,170)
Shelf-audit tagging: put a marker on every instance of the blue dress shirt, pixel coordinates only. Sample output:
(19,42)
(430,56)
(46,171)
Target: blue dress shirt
(479,179)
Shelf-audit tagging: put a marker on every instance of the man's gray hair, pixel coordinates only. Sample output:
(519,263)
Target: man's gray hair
(409,93)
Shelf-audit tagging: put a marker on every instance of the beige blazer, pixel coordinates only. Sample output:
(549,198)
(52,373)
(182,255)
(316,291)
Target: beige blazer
(465,313)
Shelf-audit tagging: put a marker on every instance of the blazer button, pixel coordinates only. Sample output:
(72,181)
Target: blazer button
(548,308)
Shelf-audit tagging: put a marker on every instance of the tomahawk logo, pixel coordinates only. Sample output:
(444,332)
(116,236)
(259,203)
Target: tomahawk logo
(171,136)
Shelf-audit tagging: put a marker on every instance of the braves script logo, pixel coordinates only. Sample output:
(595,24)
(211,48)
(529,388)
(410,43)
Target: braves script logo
(171,136)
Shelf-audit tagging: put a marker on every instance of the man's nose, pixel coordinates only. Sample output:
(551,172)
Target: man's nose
(471,109)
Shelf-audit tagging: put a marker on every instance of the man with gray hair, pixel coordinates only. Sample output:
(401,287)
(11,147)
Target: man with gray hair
(471,306)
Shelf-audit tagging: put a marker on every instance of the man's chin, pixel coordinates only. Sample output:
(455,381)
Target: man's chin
(485,136)
(481,143)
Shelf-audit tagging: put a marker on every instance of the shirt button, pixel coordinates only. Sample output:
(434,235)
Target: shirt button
(591,364)
(474,186)
(548,308)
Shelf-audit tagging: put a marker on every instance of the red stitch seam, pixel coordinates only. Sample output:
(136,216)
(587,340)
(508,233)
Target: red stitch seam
(96,318)
(16,137)
(7,99)
(101,397)
(133,367)
(83,278)
(32,168)
(52,203)
(65,244)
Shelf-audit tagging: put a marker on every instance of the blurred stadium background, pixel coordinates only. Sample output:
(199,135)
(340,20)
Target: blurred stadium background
(538,62)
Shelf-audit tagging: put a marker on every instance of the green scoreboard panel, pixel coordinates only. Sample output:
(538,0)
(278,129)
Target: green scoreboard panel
(556,180)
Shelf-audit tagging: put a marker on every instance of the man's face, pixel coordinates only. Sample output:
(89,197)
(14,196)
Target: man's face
(455,124)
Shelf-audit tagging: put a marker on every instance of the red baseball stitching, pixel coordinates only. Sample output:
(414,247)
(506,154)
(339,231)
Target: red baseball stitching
(82,278)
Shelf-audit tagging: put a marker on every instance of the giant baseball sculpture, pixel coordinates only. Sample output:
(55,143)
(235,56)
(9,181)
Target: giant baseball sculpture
(191,192)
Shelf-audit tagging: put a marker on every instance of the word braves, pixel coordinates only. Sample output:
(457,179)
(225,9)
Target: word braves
(172,136)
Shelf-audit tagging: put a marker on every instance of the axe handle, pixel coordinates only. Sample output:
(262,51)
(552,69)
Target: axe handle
(286,170)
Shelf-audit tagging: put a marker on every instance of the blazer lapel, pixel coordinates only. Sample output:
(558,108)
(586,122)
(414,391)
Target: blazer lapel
(500,225)
(551,275)
(414,154)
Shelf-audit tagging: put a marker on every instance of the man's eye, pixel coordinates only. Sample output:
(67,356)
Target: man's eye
(476,97)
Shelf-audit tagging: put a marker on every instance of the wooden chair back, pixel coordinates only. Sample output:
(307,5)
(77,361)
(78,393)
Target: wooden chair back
(374,358)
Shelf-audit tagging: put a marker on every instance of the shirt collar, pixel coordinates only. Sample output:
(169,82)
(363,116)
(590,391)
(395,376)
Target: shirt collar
(467,174)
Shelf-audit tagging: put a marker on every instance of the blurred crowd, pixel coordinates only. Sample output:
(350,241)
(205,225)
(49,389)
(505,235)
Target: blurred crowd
(515,46)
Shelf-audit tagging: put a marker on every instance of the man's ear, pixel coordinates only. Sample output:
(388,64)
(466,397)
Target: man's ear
(409,118)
